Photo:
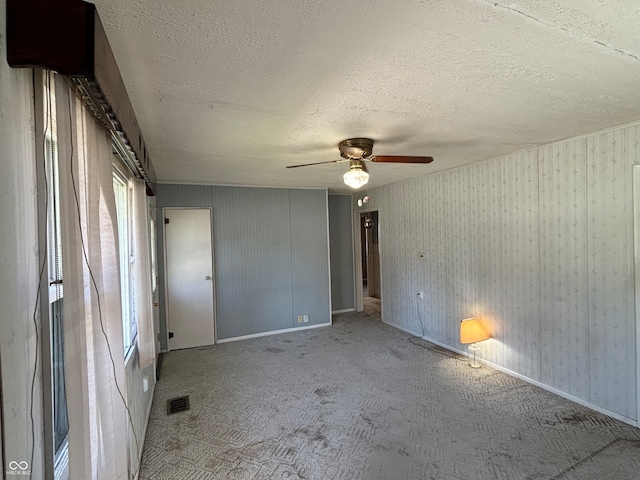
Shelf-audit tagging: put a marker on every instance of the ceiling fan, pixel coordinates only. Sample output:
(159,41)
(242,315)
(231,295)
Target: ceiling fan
(354,151)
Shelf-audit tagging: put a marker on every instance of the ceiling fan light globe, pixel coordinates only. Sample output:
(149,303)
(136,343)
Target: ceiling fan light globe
(356,178)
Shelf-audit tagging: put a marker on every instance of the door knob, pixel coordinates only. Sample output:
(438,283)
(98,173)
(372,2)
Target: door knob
(207,277)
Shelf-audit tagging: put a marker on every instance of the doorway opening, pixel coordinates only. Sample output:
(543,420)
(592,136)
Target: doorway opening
(636,235)
(369,288)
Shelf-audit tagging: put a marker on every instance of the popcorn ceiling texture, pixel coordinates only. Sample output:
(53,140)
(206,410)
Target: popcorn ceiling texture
(232,92)
(358,401)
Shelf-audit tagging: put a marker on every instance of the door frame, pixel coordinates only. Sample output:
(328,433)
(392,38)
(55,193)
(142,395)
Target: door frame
(357,257)
(636,243)
(167,321)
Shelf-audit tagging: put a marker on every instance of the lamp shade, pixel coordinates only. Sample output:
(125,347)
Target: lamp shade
(471,331)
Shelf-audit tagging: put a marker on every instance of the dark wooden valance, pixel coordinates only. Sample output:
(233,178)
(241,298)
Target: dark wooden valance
(67,36)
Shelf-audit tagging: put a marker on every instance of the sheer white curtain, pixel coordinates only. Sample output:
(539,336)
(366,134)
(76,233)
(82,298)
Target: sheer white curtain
(95,375)
(143,294)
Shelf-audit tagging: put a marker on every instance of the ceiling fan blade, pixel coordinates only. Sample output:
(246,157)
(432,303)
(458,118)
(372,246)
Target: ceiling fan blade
(316,163)
(400,159)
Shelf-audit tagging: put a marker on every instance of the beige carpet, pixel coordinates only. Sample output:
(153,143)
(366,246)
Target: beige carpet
(371,306)
(357,400)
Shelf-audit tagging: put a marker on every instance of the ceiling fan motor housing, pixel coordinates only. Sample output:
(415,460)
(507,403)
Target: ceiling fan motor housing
(357,164)
(356,148)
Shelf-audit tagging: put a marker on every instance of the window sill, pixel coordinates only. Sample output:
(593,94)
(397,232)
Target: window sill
(61,467)
(130,354)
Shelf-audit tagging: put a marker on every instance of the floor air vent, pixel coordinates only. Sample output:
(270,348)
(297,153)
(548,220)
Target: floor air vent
(178,404)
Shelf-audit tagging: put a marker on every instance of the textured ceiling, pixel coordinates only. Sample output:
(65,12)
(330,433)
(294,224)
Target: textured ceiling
(232,92)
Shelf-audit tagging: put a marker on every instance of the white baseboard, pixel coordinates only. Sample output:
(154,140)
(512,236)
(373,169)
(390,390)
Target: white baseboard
(568,396)
(344,310)
(541,385)
(274,332)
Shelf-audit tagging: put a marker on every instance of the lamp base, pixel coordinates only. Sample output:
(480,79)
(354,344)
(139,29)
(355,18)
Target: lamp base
(474,356)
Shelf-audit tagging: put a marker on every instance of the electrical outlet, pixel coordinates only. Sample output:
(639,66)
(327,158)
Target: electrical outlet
(300,319)
(420,295)
(305,319)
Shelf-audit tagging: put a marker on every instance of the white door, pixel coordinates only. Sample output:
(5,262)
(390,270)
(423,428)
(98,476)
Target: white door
(190,286)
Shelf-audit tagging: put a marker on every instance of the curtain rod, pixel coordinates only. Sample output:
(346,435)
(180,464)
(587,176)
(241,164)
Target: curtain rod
(67,36)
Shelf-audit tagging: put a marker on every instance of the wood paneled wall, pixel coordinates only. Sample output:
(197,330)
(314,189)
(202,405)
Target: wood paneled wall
(341,249)
(271,256)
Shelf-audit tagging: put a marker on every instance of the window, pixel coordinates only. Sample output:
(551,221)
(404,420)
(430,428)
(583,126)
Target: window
(56,367)
(123,195)
(54,236)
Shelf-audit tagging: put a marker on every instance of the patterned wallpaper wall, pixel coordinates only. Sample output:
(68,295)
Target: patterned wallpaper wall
(539,245)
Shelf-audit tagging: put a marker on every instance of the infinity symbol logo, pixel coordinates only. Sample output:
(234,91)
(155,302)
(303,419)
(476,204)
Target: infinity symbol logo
(13,465)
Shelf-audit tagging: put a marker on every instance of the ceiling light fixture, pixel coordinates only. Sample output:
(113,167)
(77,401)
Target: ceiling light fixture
(363,200)
(357,176)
